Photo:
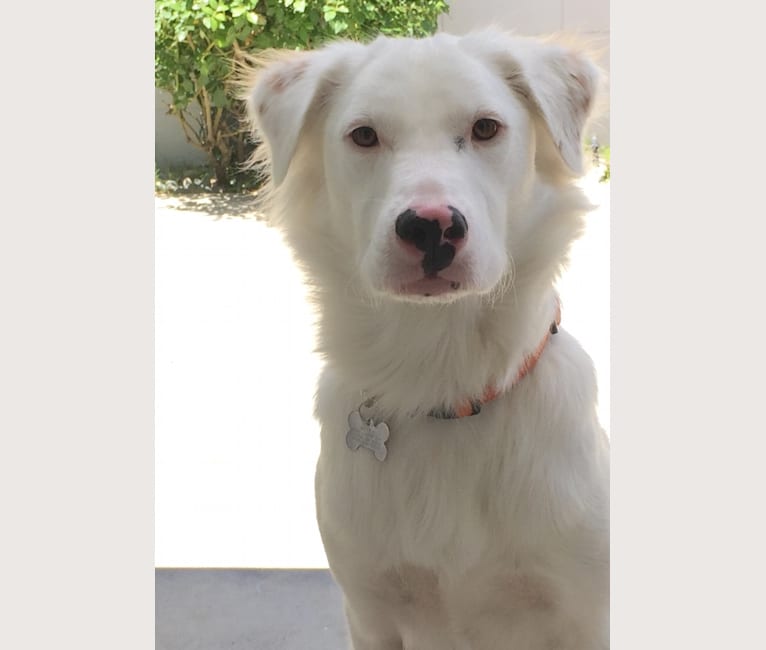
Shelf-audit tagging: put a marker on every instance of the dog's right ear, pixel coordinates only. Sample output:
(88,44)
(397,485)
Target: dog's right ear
(283,91)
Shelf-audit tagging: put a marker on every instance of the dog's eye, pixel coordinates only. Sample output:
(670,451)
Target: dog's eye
(364,136)
(485,129)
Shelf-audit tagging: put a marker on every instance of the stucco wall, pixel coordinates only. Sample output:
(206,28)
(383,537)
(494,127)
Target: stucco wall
(170,145)
(528,16)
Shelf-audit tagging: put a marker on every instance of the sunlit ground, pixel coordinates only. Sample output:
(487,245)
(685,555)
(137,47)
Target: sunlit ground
(236,442)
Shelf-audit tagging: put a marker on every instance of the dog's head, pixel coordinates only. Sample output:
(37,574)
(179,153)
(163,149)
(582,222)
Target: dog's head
(418,157)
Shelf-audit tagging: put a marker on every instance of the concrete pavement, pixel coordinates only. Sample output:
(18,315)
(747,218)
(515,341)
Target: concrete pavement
(242,609)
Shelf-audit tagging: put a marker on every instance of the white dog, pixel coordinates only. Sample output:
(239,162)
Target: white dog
(426,188)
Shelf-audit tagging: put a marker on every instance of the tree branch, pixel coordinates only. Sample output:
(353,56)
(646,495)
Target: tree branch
(191,140)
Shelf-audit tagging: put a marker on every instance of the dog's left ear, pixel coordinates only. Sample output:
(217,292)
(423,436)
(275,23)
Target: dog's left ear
(559,84)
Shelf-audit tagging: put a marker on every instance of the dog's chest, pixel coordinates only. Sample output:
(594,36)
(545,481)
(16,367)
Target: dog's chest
(446,492)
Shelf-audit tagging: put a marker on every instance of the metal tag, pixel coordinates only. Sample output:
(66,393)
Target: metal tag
(367,434)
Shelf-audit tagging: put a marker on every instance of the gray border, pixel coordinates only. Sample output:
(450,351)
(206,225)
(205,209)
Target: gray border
(76,262)
(687,428)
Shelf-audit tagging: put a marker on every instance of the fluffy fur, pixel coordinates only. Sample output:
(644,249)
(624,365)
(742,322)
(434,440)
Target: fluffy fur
(483,532)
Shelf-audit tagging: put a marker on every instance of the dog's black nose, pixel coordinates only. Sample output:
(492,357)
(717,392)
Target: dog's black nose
(424,233)
(437,231)
(459,226)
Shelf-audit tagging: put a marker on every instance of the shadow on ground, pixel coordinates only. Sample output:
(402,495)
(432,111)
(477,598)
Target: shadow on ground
(219,206)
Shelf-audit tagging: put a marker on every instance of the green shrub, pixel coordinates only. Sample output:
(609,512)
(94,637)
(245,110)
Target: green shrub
(606,157)
(198,41)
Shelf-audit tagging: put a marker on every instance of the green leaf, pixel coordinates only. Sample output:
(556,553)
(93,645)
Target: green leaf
(339,26)
(254,18)
(299,6)
(219,98)
(329,15)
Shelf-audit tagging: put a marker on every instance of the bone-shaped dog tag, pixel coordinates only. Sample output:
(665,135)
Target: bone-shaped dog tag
(367,434)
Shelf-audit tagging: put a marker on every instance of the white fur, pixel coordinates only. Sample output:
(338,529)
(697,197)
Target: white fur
(484,532)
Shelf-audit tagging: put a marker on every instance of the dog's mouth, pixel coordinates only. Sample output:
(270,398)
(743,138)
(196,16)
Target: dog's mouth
(430,286)
(402,274)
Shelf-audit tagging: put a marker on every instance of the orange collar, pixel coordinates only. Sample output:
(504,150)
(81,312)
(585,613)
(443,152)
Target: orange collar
(473,406)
